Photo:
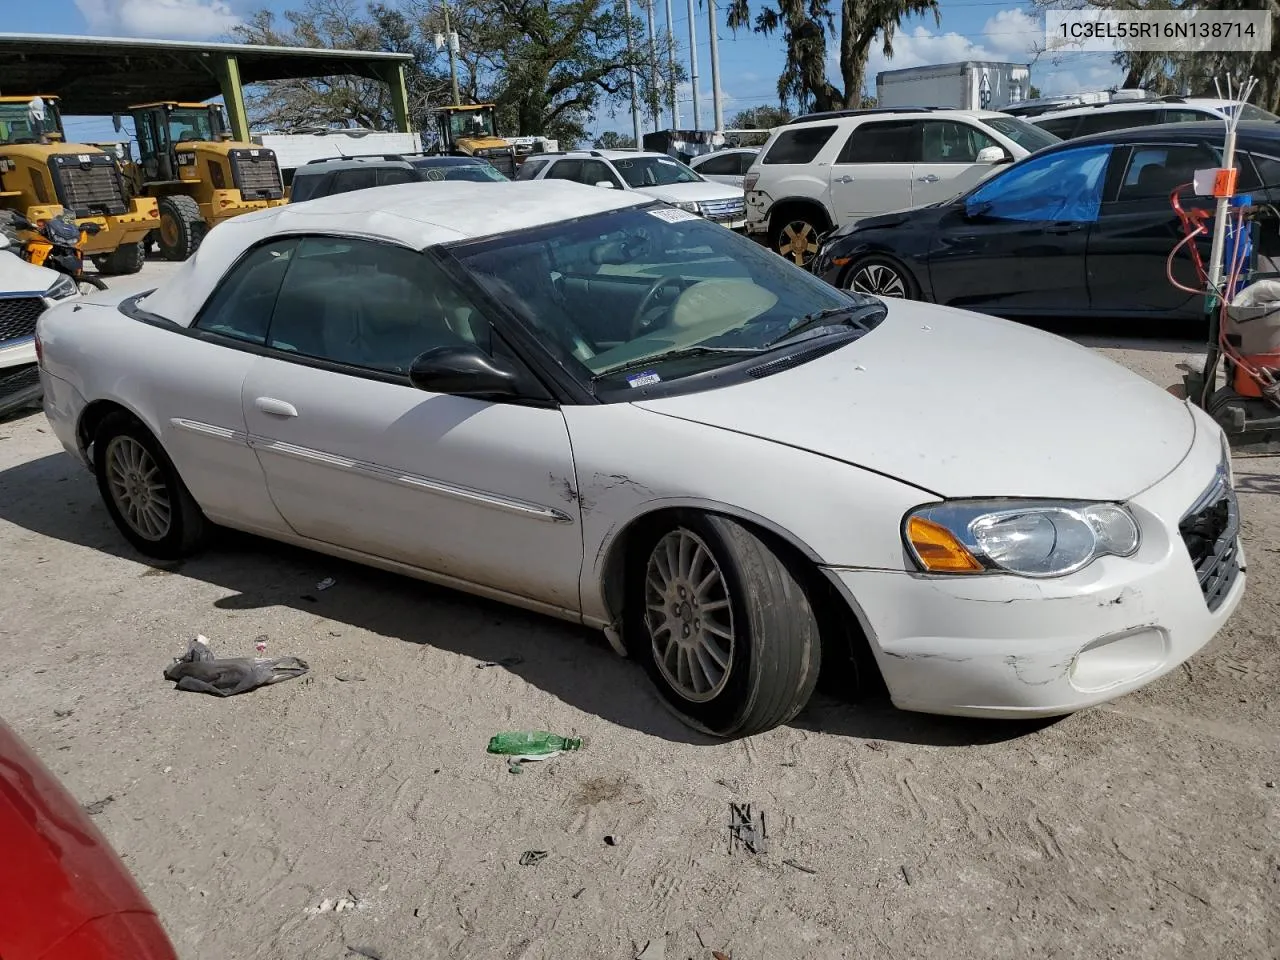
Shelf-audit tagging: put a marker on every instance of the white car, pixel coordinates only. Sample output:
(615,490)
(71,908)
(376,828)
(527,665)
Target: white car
(654,174)
(612,411)
(26,291)
(726,166)
(828,170)
(1079,121)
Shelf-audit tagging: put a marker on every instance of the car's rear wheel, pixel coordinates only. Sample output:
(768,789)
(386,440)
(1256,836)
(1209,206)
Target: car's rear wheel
(728,634)
(142,491)
(881,277)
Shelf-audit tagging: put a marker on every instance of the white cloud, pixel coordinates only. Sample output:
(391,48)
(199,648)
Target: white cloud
(176,19)
(1012,35)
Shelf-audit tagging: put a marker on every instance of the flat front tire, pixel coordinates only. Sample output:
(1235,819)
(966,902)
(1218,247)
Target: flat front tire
(142,491)
(726,631)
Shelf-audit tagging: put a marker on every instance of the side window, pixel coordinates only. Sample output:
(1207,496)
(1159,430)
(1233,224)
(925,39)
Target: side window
(800,145)
(947,141)
(390,175)
(723,165)
(1268,173)
(1154,171)
(529,169)
(593,171)
(1186,116)
(1064,128)
(1059,186)
(241,306)
(565,170)
(360,178)
(893,141)
(304,187)
(1102,122)
(370,305)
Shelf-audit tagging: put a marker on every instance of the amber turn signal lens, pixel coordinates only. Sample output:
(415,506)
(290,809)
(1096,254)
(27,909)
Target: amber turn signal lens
(937,548)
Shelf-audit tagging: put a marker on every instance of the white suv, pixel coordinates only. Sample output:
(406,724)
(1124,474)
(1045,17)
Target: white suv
(656,174)
(1077,121)
(826,170)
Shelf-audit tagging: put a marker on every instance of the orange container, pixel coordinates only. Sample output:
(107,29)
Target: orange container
(1244,384)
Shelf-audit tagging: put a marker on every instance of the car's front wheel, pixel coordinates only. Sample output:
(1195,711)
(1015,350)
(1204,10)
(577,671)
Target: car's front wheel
(142,491)
(728,634)
(881,277)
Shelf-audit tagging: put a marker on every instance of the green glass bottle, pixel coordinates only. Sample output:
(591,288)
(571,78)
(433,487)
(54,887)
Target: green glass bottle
(531,743)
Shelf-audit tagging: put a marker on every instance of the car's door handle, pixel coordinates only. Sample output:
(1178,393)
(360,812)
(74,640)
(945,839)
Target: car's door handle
(1060,228)
(275,408)
(927,178)
(845,179)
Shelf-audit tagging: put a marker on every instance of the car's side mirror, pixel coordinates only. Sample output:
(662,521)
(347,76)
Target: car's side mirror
(608,185)
(992,155)
(464,371)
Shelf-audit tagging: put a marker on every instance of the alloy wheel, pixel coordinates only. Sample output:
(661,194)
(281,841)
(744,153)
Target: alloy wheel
(879,280)
(689,616)
(798,241)
(138,489)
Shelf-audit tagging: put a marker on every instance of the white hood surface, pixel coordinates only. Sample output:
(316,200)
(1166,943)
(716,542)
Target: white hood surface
(18,276)
(700,190)
(963,405)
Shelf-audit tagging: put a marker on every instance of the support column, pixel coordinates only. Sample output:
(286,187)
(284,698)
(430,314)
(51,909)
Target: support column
(394,78)
(233,96)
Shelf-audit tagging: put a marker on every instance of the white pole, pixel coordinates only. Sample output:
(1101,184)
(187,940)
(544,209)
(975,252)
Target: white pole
(693,67)
(635,80)
(653,70)
(671,65)
(715,68)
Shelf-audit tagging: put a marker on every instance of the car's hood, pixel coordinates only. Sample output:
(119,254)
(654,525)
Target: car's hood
(894,218)
(963,405)
(18,276)
(678,192)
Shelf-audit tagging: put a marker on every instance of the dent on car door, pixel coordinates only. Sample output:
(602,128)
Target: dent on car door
(197,391)
(1137,230)
(355,456)
(1017,243)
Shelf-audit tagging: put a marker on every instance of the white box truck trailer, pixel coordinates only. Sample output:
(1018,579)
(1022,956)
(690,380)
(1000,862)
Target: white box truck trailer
(968,85)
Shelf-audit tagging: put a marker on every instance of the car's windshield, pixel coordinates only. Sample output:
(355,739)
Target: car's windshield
(483,171)
(1026,135)
(186,126)
(648,295)
(654,171)
(1250,112)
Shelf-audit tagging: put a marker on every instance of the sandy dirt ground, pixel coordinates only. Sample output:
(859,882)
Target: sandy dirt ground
(1144,828)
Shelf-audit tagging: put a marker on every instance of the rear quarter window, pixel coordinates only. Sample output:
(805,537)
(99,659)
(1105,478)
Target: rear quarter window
(1061,127)
(800,145)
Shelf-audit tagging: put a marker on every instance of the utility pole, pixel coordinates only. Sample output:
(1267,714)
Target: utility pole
(671,66)
(653,71)
(693,66)
(451,39)
(635,80)
(715,68)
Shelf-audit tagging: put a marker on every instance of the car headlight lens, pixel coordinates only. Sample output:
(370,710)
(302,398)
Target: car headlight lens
(689,205)
(62,288)
(1029,538)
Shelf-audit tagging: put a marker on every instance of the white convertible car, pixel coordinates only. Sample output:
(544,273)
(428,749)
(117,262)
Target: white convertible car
(591,404)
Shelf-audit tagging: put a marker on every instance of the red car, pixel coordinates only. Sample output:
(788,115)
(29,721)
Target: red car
(66,894)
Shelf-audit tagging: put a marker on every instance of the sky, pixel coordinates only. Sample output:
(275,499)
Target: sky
(749,64)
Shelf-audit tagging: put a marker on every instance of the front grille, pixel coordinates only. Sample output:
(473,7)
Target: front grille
(88,184)
(256,174)
(15,380)
(720,210)
(1211,531)
(18,317)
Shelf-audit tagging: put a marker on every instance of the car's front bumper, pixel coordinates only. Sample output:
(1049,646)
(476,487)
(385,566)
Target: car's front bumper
(19,376)
(993,646)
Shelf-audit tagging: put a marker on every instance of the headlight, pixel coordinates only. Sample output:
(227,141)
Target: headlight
(1028,538)
(62,288)
(690,206)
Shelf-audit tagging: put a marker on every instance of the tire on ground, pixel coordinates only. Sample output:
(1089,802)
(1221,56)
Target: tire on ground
(776,654)
(911,290)
(794,232)
(188,529)
(125,259)
(181,227)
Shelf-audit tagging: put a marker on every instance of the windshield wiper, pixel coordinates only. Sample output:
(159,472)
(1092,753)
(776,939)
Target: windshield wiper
(680,354)
(852,315)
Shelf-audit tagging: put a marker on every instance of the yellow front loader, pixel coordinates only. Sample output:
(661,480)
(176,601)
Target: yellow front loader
(43,177)
(469,131)
(189,165)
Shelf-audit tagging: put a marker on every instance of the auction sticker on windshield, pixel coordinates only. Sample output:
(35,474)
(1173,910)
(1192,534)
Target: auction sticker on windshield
(646,379)
(672,215)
